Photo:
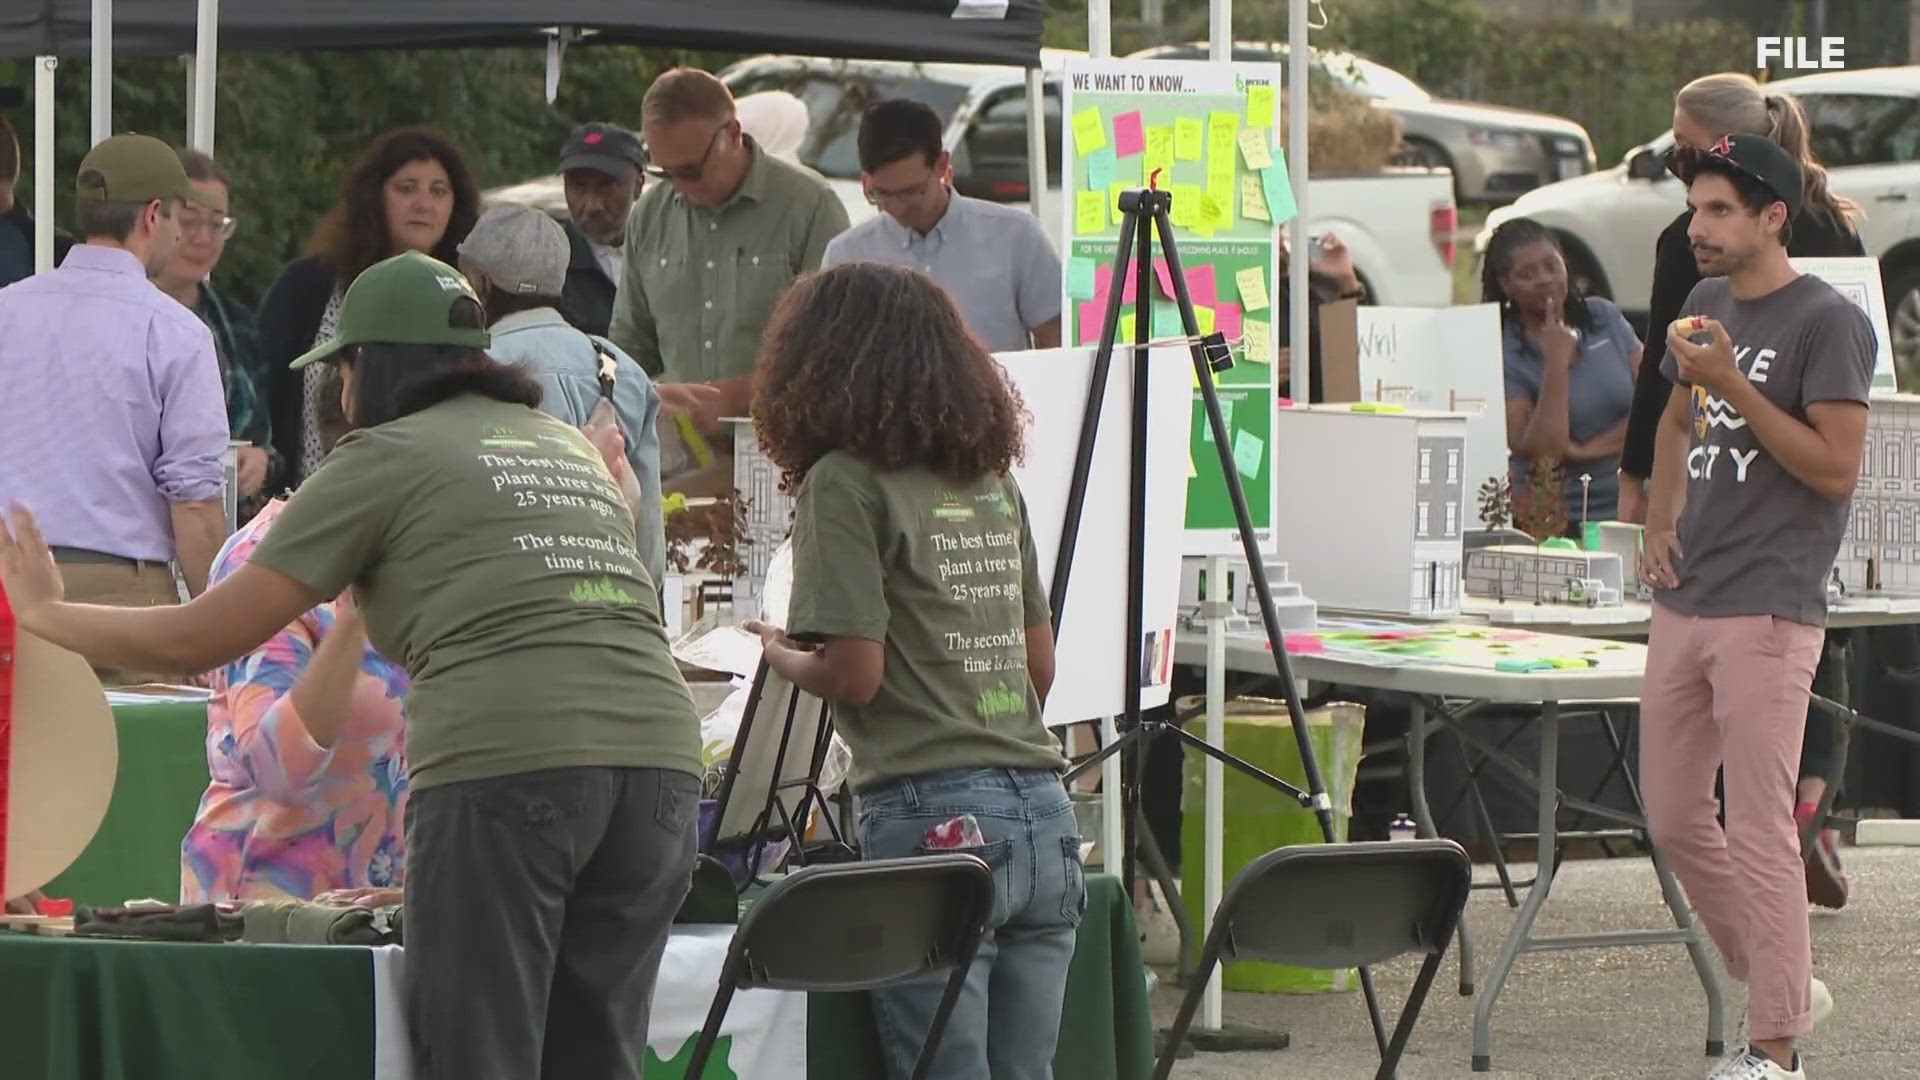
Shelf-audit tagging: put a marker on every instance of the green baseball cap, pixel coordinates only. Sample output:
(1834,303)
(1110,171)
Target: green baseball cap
(405,300)
(132,168)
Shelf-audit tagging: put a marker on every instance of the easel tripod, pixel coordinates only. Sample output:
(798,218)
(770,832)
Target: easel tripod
(1145,212)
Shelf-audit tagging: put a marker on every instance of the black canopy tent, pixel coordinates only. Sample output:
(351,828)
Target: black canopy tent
(960,31)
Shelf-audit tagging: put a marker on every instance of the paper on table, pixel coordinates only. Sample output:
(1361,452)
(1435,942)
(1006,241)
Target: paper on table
(1189,138)
(725,648)
(1227,319)
(1202,285)
(1246,453)
(1101,165)
(1128,138)
(1260,106)
(1080,278)
(1258,334)
(1090,212)
(1253,288)
(1253,147)
(1089,131)
(1278,189)
(1253,204)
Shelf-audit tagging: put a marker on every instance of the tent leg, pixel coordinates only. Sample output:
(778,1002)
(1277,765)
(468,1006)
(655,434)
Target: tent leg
(205,68)
(43,182)
(102,71)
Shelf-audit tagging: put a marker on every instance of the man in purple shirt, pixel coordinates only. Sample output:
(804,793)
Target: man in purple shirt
(113,424)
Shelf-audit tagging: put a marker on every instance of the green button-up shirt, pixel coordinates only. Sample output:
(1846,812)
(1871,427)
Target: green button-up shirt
(698,285)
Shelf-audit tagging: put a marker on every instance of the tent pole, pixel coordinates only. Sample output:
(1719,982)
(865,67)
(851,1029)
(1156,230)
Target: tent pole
(43,182)
(193,83)
(1213,876)
(204,66)
(1036,141)
(1298,59)
(1100,29)
(102,70)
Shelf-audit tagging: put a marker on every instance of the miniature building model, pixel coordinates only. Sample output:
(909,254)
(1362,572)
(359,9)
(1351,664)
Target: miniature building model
(1371,506)
(1296,612)
(769,513)
(1545,575)
(1881,549)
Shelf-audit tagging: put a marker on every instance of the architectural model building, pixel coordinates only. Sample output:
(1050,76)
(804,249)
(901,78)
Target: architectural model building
(769,513)
(1881,549)
(1547,575)
(1372,504)
(1296,612)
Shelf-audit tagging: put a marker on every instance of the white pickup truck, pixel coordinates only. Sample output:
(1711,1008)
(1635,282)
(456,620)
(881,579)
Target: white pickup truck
(1399,224)
(1866,131)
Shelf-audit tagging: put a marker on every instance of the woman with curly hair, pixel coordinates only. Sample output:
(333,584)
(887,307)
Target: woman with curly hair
(918,613)
(410,190)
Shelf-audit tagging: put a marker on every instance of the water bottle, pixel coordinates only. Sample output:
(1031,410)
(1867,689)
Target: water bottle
(1403,828)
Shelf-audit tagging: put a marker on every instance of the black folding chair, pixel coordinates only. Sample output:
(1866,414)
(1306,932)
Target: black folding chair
(859,926)
(1332,906)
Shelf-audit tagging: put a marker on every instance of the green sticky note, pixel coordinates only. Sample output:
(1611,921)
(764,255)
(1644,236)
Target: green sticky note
(1248,453)
(1166,320)
(1278,188)
(1080,273)
(1101,165)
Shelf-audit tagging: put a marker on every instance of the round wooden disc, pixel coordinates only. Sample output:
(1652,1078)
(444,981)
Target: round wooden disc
(65,754)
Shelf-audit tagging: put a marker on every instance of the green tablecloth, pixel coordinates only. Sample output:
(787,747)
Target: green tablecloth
(163,773)
(84,1009)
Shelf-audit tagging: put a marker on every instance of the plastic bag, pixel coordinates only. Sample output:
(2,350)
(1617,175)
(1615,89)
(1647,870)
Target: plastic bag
(603,431)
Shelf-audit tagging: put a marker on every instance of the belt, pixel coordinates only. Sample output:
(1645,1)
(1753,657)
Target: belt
(82,556)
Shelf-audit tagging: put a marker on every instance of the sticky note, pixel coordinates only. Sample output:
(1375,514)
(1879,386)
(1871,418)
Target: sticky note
(1203,316)
(1278,189)
(1186,204)
(1089,131)
(1164,277)
(1226,414)
(1189,138)
(1247,456)
(1253,201)
(1113,204)
(1191,471)
(1260,106)
(1101,165)
(1103,282)
(1090,212)
(1252,283)
(1129,138)
(1080,278)
(1253,147)
(1093,314)
(1166,320)
(1159,155)
(1258,334)
(1202,285)
(1214,213)
(1227,318)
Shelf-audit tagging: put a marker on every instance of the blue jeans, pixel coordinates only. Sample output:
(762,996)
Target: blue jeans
(1007,1020)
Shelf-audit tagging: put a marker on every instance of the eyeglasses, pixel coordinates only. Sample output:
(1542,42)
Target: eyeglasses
(910,196)
(201,221)
(689,174)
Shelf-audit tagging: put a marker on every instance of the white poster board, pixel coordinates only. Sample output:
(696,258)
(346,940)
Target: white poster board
(1446,360)
(1858,279)
(1092,644)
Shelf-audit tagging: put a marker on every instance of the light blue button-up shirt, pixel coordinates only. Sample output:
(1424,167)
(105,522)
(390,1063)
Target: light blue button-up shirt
(111,407)
(993,260)
(568,368)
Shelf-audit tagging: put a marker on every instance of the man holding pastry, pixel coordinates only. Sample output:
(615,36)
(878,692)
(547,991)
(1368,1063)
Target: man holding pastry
(1759,450)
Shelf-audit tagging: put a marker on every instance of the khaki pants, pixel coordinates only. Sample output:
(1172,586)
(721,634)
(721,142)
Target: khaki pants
(144,584)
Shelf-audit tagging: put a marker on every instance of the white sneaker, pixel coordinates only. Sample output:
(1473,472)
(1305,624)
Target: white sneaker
(1822,1002)
(1750,1064)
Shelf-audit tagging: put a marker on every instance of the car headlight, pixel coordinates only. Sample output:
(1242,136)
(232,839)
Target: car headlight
(1498,139)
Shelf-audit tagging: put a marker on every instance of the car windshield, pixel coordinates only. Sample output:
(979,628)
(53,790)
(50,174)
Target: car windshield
(1372,80)
(836,96)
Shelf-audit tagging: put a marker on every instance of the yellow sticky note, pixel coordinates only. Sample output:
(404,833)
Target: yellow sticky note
(1204,316)
(1189,138)
(1159,155)
(1258,336)
(1113,203)
(1212,213)
(1253,289)
(1222,129)
(1253,201)
(1089,131)
(1191,471)
(1253,147)
(1186,204)
(1260,106)
(1090,212)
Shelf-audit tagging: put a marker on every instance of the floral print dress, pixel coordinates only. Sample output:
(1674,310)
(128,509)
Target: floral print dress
(282,815)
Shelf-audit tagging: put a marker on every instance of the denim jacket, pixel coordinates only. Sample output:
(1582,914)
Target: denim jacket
(547,345)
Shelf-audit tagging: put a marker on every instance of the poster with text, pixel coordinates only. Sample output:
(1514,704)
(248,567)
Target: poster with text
(1209,134)
(1858,279)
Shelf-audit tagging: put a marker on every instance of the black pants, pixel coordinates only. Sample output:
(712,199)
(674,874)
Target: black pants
(1830,682)
(538,906)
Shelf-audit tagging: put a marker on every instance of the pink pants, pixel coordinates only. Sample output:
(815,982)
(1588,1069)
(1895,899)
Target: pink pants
(1735,691)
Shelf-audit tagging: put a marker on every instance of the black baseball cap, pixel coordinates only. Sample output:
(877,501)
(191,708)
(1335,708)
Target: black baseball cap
(1753,156)
(606,148)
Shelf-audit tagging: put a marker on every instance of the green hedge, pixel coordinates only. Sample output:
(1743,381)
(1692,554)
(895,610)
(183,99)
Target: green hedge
(288,124)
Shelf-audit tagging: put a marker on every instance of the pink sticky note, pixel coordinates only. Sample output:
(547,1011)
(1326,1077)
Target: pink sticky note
(1131,290)
(1093,314)
(1102,282)
(1129,138)
(1301,643)
(1166,279)
(1200,283)
(1226,318)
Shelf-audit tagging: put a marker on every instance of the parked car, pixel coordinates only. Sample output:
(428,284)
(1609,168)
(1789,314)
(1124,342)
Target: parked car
(1495,153)
(1399,224)
(1866,131)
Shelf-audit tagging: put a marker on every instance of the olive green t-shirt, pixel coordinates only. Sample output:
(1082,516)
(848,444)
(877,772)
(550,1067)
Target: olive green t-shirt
(493,558)
(944,574)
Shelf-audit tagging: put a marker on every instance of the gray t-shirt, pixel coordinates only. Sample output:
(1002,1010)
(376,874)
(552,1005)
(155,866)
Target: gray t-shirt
(1599,396)
(1754,539)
